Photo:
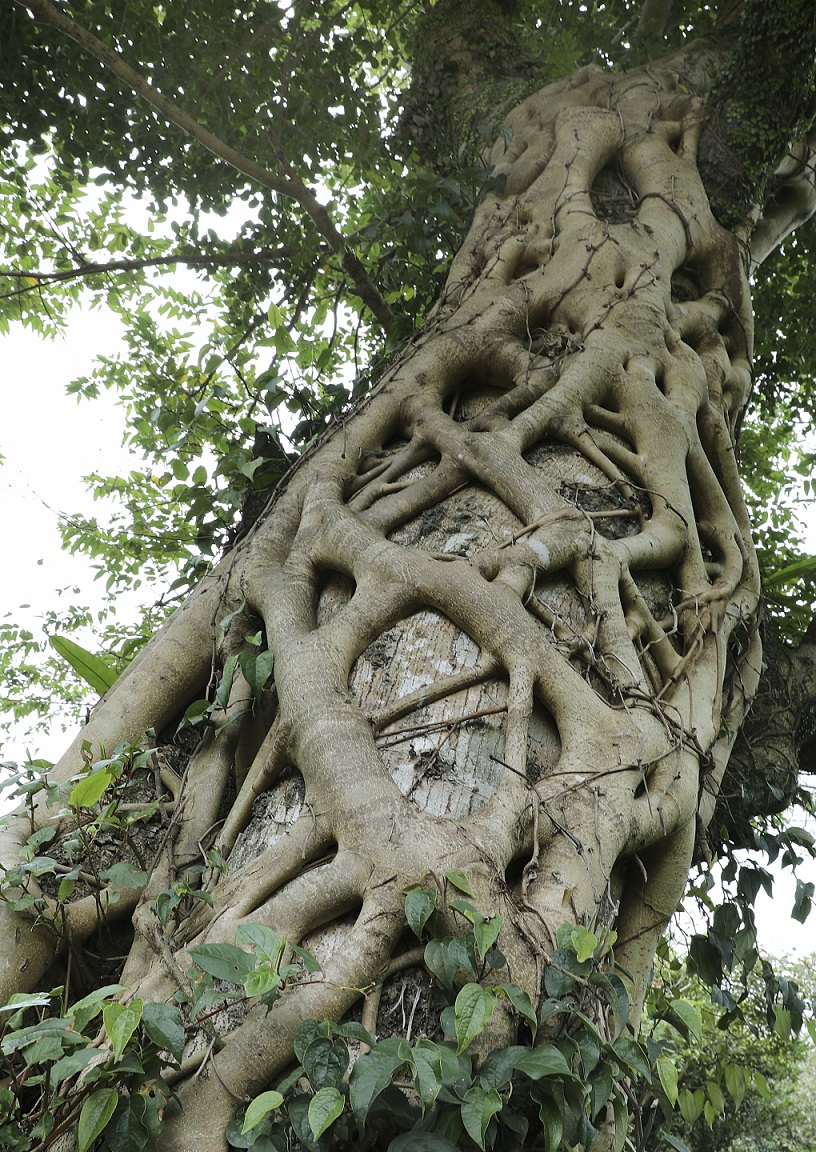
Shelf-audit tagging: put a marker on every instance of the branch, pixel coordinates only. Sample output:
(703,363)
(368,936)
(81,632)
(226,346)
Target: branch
(92,269)
(290,186)
(654,16)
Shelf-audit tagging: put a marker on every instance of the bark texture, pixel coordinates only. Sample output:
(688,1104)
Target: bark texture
(512,602)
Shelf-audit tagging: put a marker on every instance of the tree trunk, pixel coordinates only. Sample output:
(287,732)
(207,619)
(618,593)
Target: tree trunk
(512,604)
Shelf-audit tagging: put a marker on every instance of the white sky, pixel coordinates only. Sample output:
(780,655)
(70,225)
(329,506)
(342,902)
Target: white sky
(50,440)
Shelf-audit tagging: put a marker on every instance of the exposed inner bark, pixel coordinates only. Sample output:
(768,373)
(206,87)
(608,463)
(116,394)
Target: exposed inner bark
(501,601)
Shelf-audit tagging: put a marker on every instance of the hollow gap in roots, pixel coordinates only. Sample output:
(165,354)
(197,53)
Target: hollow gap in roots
(612,197)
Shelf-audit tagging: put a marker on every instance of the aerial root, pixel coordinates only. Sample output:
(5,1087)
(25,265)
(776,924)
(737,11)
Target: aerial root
(320,894)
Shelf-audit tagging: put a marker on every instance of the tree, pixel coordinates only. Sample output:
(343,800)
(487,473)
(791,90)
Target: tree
(743,1088)
(498,626)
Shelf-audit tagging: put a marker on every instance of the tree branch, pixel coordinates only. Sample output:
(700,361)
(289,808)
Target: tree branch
(654,16)
(290,186)
(220,259)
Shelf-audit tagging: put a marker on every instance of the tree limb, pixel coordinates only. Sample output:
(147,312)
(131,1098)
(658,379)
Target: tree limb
(290,186)
(220,259)
(654,16)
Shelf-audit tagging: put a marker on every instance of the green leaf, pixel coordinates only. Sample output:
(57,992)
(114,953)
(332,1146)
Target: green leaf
(802,566)
(736,1082)
(223,961)
(472,1009)
(478,1108)
(714,1093)
(521,1003)
(310,962)
(675,1142)
(686,1018)
(427,1075)
(260,1107)
(459,880)
(121,1021)
(92,669)
(667,1074)
(256,668)
(552,1123)
(420,905)
(325,1106)
(486,932)
(326,1061)
(761,1085)
(690,1110)
(268,945)
(632,1058)
(261,980)
(123,875)
(544,1061)
(447,957)
(90,1006)
(96,1112)
(584,943)
(371,1074)
(164,1024)
(90,788)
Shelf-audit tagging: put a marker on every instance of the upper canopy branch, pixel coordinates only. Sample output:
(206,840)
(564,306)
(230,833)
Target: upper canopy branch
(290,185)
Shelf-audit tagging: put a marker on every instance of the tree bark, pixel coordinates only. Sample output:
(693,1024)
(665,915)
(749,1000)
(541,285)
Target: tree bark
(512,601)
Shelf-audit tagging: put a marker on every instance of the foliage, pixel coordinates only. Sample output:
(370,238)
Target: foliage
(745,1086)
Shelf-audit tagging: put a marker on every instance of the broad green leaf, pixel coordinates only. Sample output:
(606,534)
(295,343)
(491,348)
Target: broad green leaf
(521,1003)
(96,1113)
(736,1082)
(261,980)
(260,1107)
(92,669)
(121,1021)
(257,668)
(543,1061)
(418,1141)
(472,1009)
(90,788)
(90,1006)
(223,961)
(632,1058)
(761,1085)
(478,1108)
(687,1016)
(802,566)
(459,880)
(552,1123)
(371,1074)
(420,905)
(123,875)
(486,933)
(689,1109)
(310,962)
(326,1062)
(714,1093)
(447,957)
(667,1074)
(268,945)
(326,1105)
(584,943)
(164,1024)
(427,1075)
